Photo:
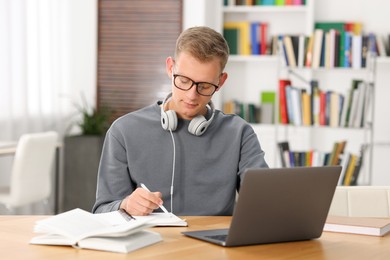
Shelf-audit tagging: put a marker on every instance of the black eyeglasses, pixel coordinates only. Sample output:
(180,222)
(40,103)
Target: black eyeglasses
(185,83)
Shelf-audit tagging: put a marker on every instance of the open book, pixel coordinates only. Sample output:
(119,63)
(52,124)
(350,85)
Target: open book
(79,228)
(358,225)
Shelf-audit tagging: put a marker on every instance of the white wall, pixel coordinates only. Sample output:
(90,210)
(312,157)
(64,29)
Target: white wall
(82,42)
(374,14)
(202,12)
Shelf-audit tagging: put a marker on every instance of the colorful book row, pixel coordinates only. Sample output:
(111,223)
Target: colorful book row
(351,163)
(291,158)
(332,44)
(264,2)
(299,107)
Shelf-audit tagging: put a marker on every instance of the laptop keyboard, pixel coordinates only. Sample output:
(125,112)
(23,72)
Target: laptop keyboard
(218,237)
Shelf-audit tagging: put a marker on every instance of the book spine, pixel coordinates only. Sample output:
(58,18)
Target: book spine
(283,117)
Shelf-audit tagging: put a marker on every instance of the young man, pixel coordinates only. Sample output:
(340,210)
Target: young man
(191,156)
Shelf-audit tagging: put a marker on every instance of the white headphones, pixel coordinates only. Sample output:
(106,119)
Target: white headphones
(198,125)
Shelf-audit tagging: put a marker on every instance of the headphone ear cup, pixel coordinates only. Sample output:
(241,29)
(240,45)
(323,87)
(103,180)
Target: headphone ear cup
(169,120)
(198,125)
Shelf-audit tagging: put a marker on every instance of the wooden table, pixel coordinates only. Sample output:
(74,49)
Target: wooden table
(16,231)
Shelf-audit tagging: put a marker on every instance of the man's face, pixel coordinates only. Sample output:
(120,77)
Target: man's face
(189,103)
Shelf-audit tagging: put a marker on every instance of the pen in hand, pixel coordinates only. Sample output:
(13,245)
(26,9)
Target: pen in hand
(161,207)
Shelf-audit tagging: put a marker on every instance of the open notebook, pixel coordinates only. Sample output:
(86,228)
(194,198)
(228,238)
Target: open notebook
(156,219)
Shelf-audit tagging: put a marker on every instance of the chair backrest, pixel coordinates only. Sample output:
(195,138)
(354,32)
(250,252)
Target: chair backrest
(361,201)
(32,167)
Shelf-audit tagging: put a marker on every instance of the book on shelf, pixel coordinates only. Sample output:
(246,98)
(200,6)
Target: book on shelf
(357,121)
(283,116)
(255,38)
(267,107)
(381,46)
(356,52)
(337,153)
(302,43)
(358,225)
(345,158)
(264,38)
(296,105)
(82,229)
(309,51)
(314,102)
(317,48)
(306,108)
(334,109)
(291,58)
(231,36)
(357,91)
(349,169)
(284,152)
(358,166)
(347,49)
(368,106)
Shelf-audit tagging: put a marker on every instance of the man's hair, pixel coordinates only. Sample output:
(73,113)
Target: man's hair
(204,44)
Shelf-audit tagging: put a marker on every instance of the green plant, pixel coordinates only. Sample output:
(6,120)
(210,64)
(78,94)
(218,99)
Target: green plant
(93,121)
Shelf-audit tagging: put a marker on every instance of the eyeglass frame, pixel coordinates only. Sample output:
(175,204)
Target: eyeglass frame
(194,83)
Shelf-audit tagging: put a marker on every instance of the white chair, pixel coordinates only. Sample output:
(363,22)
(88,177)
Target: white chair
(31,178)
(361,201)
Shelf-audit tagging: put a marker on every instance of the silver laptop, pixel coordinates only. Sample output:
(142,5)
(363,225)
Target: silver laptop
(278,205)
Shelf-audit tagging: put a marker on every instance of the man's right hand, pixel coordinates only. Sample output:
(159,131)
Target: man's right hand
(141,202)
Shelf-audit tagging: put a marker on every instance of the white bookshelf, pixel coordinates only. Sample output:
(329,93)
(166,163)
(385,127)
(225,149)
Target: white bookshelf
(249,75)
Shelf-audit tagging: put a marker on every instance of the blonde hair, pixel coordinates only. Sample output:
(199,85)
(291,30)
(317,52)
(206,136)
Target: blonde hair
(204,44)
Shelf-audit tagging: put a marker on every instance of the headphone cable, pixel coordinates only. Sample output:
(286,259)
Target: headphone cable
(173,168)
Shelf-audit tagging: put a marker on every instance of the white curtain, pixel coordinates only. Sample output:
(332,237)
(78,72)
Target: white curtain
(47,60)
